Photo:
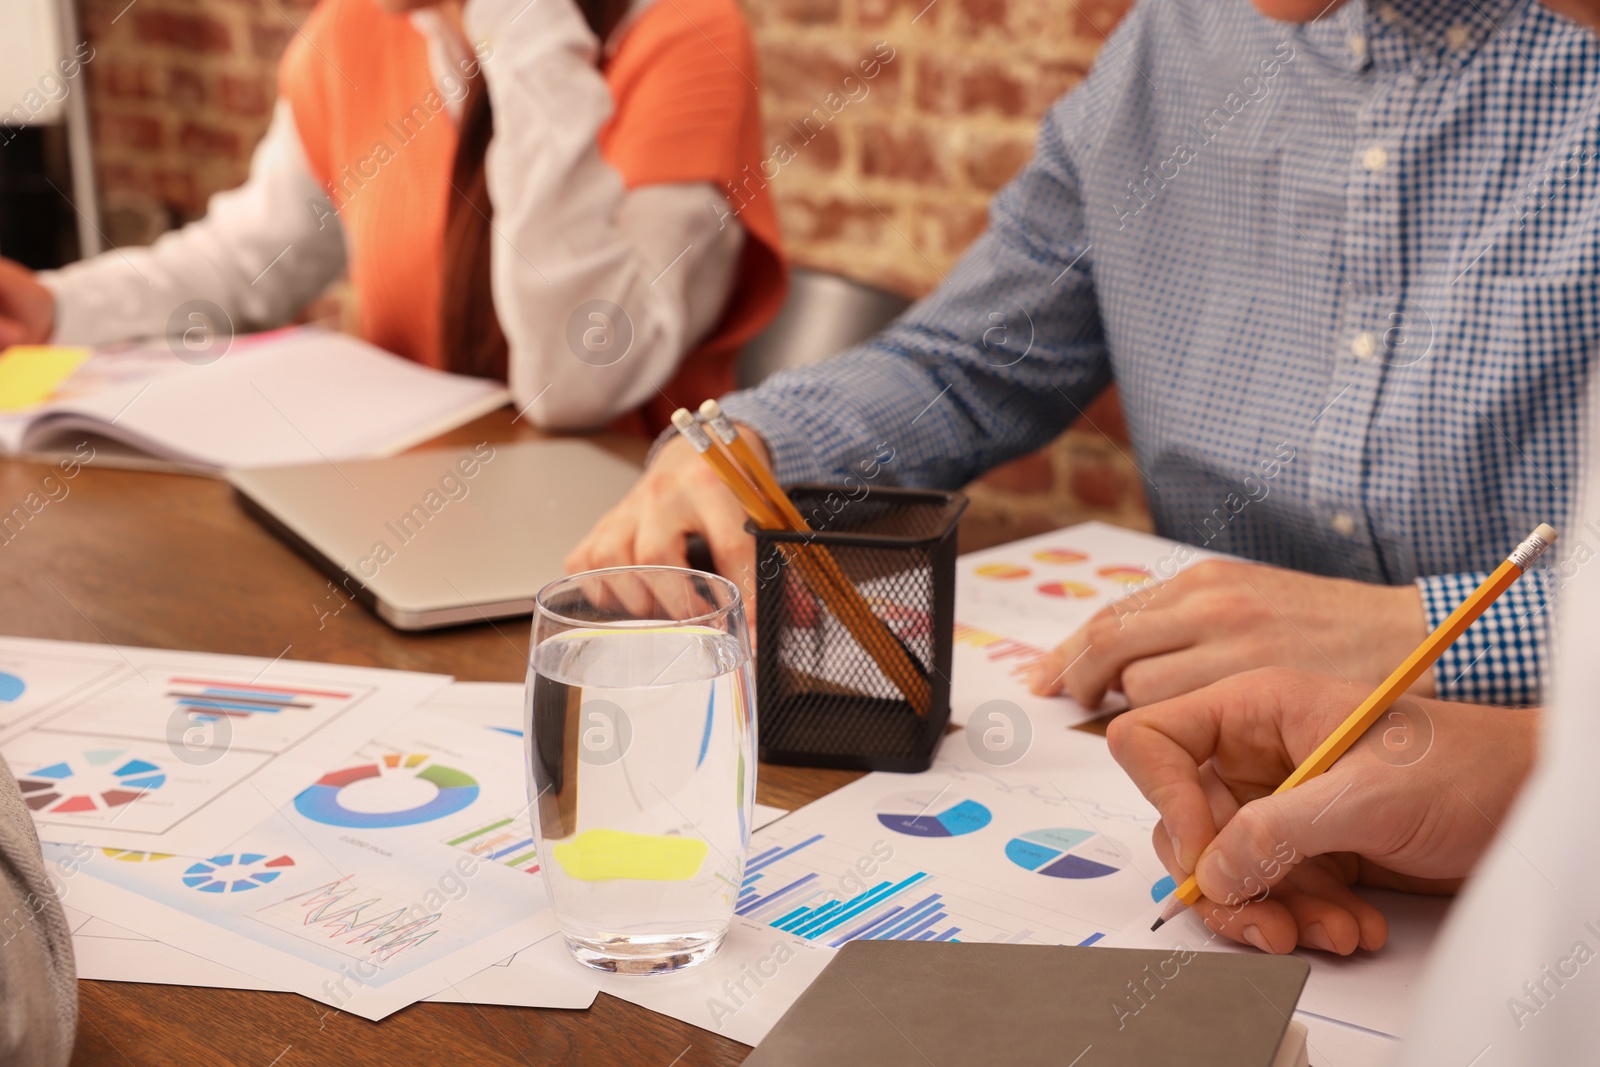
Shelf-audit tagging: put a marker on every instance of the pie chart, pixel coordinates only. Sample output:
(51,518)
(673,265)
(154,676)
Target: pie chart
(931,815)
(1060,555)
(1069,590)
(399,789)
(1126,574)
(1064,853)
(128,855)
(11,687)
(93,781)
(234,872)
(1001,571)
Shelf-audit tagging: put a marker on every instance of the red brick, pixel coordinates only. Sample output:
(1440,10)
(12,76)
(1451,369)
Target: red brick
(1031,474)
(251,97)
(186,87)
(991,162)
(906,154)
(877,13)
(831,219)
(209,141)
(138,132)
(196,33)
(1098,482)
(268,38)
(979,15)
(1092,19)
(1105,416)
(822,152)
(958,226)
(127,81)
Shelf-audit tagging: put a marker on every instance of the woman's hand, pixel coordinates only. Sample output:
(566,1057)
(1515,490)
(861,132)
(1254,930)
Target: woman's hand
(1410,806)
(27,309)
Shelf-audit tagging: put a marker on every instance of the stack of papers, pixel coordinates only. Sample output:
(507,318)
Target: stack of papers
(244,823)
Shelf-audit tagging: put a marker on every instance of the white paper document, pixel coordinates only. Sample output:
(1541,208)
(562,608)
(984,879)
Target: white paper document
(164,751)
(366,892)
(1018,601)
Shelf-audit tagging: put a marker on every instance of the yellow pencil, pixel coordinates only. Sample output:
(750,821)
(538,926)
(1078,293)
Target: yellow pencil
(817,568)
(1350,731)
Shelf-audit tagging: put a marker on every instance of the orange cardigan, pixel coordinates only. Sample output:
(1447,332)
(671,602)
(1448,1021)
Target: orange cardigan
(358,82)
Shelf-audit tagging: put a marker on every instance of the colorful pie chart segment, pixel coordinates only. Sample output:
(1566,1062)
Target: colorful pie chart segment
(1064,853)
(96,780)
(128,855)
(1069,590)
(932,815)
(11,687)
(1163,889)
(1001,571)
(1060,555)
(235,872)
(1126,574)
(383,794)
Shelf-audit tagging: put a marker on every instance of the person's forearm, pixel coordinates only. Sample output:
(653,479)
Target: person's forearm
(575,257)
(260,253)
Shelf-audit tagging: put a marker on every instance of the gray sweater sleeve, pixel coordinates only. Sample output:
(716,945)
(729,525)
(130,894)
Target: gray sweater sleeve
(38,985)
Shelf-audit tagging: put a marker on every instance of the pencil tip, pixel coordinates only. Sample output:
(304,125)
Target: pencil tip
(1156,925)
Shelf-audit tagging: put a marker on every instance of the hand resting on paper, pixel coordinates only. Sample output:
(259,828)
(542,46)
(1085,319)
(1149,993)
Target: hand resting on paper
(1220,617)
(1411,806)
(27,308)
(678,495)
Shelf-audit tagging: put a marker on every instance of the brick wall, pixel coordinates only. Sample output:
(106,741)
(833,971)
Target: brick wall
(900,119)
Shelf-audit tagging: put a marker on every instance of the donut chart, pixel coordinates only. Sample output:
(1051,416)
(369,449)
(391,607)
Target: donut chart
(1064,853)
(234,872)
(93,781)
(326,801)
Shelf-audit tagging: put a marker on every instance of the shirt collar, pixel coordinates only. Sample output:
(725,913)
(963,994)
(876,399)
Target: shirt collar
(1405,34)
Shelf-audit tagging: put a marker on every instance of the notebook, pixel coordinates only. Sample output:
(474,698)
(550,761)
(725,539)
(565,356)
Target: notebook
(908,1004)
(293,396)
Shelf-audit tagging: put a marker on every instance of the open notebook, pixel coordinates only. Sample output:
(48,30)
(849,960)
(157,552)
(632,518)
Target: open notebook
(291,397)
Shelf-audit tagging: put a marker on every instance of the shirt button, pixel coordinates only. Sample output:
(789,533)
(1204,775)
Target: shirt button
(1375,158)
(1344,523)
(1457,35)
(1364,345)
(1357,44)
(1389,14)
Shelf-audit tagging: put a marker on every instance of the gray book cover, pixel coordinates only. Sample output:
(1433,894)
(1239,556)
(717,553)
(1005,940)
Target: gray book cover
(916,1004)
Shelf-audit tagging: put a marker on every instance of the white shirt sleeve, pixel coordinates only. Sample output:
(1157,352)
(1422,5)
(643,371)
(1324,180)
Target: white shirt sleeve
(570,244)
(1515,978)
(261,252)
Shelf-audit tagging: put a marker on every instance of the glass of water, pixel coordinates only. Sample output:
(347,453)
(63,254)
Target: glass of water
(642,748)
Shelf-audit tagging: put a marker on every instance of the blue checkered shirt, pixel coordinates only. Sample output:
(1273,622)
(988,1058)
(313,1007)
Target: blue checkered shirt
(1368,242)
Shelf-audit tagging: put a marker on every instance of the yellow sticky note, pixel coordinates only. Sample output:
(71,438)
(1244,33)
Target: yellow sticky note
(595,855)
(30,373)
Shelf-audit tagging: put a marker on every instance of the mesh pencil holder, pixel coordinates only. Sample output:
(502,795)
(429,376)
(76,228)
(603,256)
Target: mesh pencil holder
(832,686)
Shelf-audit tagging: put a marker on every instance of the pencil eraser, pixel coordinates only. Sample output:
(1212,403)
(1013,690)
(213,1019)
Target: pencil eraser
(682,419)
(1546,531)
(710,409)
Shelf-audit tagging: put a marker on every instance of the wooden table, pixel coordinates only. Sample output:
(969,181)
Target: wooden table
(169,561)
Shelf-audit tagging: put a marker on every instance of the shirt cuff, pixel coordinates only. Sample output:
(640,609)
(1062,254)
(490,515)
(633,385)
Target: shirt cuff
(1500,658)
(790,451)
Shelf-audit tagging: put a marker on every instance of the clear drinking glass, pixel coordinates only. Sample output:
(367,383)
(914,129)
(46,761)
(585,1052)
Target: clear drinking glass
(642,749)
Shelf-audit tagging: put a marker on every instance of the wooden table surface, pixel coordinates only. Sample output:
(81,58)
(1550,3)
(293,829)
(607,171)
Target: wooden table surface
(169,561)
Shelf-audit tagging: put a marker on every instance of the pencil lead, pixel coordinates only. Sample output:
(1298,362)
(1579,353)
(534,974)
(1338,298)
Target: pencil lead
(1156,925)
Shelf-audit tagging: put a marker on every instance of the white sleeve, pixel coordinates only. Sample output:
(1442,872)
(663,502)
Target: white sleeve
(569,241)
(261,252)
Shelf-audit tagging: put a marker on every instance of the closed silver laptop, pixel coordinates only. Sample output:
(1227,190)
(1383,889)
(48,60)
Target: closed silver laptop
(442,537)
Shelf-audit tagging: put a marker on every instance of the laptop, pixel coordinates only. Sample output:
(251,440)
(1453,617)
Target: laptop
(443,537)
